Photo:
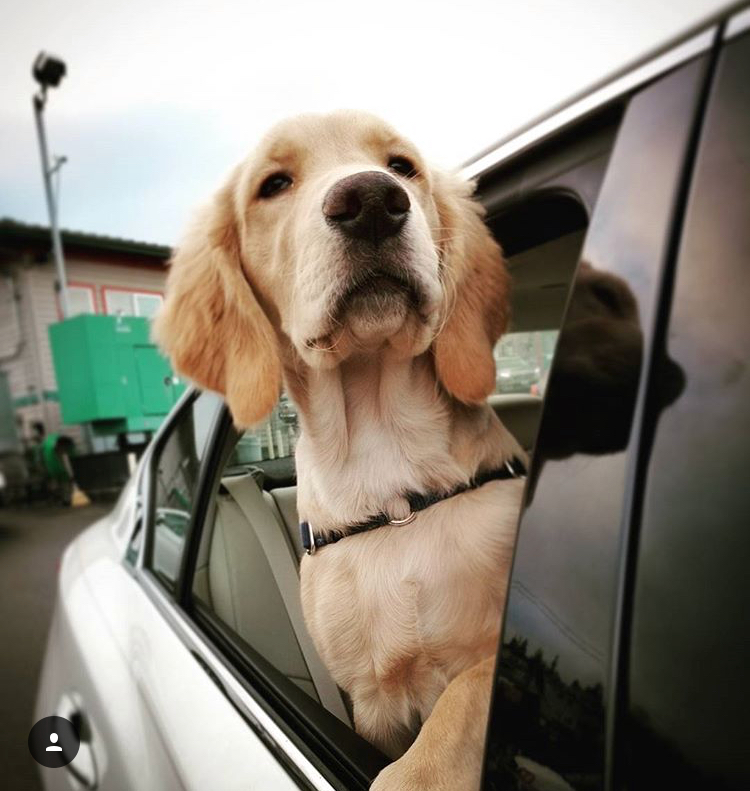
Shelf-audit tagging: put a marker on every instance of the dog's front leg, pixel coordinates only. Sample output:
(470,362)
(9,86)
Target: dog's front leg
(379,717)
(447,754)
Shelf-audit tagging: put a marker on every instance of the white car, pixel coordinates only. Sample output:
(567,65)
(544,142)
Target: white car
(178,648)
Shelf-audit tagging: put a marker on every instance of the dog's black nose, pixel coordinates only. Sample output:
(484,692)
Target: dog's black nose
(369,205)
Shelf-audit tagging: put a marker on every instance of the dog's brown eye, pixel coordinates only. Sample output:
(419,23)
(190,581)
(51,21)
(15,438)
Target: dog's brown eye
(402,166)
(275,183)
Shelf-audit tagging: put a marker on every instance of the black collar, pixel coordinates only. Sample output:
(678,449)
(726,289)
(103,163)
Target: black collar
(417,502)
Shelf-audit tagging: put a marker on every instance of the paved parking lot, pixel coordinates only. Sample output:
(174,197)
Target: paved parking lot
(31,542)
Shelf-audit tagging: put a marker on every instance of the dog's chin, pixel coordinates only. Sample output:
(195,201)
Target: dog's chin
(377,309)
(383,311)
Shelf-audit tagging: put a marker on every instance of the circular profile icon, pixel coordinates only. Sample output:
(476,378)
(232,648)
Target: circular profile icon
(54,742)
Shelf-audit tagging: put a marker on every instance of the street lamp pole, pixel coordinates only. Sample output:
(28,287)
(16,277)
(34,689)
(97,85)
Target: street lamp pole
(48,71)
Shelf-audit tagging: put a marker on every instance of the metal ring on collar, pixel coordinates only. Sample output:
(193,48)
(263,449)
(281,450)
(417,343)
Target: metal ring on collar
(311,539)
(405,521)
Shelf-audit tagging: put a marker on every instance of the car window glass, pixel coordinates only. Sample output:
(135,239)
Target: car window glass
(176,466)
(549,718)
(686,722)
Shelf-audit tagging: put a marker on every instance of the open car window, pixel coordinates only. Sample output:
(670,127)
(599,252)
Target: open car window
(245,594)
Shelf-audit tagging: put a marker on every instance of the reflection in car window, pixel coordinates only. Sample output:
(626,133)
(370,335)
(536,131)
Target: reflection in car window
(177,466)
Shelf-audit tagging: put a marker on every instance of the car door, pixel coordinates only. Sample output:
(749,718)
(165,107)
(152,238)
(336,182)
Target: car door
(557,686)
(124,663)
(685,653)
(212,741)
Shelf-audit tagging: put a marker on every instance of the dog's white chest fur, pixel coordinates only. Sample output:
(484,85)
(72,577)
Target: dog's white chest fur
(396,613)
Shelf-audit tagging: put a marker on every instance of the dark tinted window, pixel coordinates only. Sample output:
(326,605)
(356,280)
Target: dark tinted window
(690,655)
(548,723)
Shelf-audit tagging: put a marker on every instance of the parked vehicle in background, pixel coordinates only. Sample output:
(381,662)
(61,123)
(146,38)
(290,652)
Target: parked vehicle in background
(523,360)
(177,642)
(516,375)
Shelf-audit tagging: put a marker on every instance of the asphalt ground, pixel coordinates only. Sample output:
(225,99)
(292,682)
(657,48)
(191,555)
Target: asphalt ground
(32,540)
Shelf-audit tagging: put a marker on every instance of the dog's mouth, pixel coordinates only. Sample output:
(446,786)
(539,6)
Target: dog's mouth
(378,303)
(373,306)
(380,289)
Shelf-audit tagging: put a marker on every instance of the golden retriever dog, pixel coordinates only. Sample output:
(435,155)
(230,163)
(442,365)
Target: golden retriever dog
(337,264)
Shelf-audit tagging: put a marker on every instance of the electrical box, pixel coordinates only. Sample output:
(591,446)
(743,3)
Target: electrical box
(110,375)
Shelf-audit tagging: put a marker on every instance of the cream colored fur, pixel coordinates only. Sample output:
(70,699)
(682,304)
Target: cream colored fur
(392,398)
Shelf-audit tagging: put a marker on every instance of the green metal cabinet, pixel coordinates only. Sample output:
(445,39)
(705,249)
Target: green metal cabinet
(110,374)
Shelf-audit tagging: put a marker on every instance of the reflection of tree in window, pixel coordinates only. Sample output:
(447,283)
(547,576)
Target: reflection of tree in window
(561,716)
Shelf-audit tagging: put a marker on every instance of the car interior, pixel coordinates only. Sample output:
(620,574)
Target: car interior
(247,566)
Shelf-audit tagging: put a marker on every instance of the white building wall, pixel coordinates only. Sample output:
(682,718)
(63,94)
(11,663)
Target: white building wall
(11,332)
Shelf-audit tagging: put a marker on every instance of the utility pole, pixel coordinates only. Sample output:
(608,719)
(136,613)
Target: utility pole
(48,71)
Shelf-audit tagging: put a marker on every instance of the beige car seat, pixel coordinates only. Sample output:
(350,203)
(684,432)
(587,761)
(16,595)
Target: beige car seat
(253,587)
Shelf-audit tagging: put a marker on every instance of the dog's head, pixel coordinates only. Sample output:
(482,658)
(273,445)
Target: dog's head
(334,238)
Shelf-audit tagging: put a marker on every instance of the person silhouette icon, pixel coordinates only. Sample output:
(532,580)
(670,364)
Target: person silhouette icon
(53,742)
(53,749)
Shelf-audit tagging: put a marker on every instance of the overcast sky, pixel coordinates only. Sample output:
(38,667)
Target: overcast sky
(161,98)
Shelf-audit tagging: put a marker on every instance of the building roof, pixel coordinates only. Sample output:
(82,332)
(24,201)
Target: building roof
(20,232)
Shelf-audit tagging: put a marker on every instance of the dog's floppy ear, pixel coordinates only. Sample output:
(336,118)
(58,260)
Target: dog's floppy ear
(478,287)
(211,324)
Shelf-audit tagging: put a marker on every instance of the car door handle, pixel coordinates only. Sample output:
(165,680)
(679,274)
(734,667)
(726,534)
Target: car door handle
(83,767)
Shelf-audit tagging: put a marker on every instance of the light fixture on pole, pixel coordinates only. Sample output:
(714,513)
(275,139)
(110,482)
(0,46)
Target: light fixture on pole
(48,71)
